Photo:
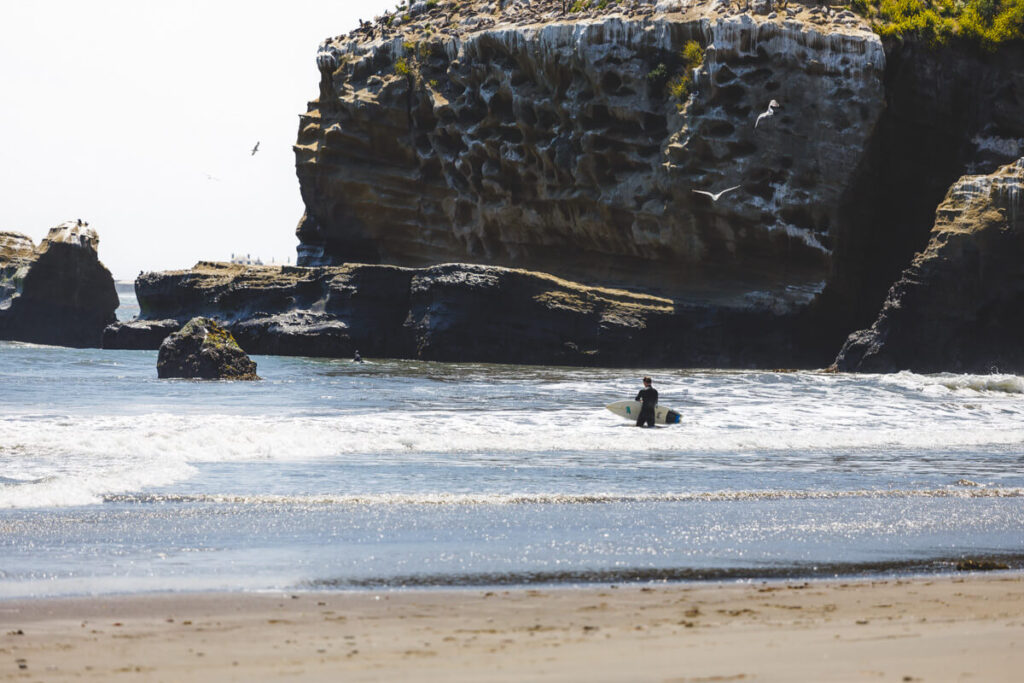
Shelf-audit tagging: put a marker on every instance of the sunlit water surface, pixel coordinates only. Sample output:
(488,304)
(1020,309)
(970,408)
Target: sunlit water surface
(330,474)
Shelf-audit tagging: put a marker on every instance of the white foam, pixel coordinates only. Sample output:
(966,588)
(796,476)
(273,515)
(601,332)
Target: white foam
(728,417)
(971,490)
(996,383)
(118,583)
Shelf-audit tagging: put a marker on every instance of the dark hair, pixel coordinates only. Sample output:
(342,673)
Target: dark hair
(647,380)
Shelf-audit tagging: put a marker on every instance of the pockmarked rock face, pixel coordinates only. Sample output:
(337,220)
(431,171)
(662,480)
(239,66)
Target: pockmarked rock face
(57,293)
(576,144)
(959,306)
(203,349)
(455,312)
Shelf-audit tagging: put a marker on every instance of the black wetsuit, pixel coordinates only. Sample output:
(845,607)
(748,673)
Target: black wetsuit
(649,398)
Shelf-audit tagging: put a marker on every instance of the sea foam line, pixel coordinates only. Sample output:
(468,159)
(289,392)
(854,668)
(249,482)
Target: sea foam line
(33,449)
(456,499)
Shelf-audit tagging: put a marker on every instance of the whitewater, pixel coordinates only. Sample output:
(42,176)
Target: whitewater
(331,474)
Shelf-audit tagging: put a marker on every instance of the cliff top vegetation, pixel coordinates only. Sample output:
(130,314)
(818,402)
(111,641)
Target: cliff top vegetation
(990,23)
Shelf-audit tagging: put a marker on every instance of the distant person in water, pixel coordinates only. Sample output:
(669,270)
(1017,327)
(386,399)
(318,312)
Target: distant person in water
(648,396)
(357,358)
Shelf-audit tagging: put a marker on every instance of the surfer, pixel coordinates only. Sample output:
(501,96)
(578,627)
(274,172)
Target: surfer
(649,397)
(357,358)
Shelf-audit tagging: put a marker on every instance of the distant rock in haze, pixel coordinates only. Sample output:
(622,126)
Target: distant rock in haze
(202,349)
(57,293)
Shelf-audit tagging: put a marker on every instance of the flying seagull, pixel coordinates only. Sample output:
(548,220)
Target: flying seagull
(257,147)
(715,196)
(770,111)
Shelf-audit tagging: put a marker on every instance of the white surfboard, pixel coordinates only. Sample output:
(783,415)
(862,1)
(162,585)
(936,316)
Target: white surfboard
(630,409)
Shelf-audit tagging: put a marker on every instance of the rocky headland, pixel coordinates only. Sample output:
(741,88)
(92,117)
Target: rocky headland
(58,292)
(958,306)
(529,142)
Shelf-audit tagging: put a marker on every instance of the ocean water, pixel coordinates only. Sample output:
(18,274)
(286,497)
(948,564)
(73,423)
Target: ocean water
(335,475)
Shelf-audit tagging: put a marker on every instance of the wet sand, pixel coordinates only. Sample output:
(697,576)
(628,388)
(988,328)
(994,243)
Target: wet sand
(967,628)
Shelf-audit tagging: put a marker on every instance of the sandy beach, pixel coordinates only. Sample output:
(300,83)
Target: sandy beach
(934,629)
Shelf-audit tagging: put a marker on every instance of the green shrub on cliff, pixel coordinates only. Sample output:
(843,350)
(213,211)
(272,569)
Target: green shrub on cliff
(692,55)
(988,22)
(931,20)
(584,5)
(863,8)
(411,63)
(658,76)
(994,22)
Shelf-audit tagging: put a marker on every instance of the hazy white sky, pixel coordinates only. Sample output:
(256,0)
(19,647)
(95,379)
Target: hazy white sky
(139,116)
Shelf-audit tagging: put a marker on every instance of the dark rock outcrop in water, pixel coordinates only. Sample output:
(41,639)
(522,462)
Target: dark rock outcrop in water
(57,293)
(959,306)
(202,349)
(455,312)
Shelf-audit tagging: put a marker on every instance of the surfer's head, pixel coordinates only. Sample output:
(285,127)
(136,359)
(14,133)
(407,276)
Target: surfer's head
(647,381)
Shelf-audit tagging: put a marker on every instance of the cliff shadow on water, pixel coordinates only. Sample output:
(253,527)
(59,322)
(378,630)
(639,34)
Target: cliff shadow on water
(950,110)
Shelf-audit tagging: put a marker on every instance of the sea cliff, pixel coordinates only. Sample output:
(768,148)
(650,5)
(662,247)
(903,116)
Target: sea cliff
(766,171)
(578,143)
(958,306)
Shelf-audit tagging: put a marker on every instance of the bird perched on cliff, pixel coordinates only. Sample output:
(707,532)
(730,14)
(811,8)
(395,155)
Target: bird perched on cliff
(770,111)
(257,147)
(715,196)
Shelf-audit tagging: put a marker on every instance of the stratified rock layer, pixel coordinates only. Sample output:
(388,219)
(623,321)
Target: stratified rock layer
(58,293)
(524,137)
(960,306)
(202,349)
(455,312)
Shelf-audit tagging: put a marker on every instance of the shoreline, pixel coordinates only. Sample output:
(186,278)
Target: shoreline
(924,628)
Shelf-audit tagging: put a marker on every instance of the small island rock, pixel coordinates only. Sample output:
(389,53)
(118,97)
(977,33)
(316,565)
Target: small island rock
(58,293)
(202,349)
